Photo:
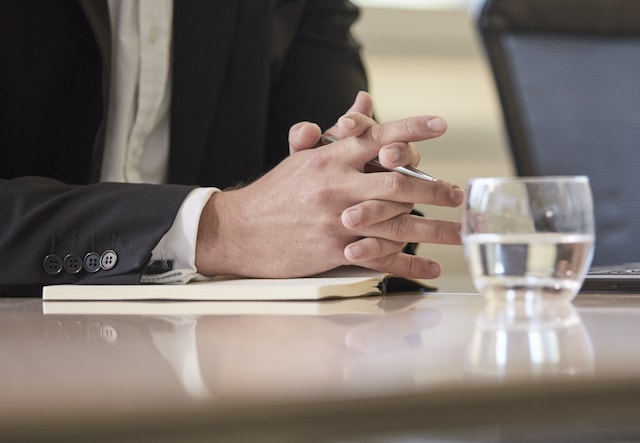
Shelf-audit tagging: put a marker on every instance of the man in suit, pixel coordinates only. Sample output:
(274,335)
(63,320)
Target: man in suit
(118,117)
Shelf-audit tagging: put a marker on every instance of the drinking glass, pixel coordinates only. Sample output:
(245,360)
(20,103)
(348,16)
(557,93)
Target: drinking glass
(528,238)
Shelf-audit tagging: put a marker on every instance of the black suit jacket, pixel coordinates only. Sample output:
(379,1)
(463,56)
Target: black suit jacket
(243,72)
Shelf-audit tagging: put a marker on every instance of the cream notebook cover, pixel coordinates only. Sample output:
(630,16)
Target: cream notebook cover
(349,281)
(377,304)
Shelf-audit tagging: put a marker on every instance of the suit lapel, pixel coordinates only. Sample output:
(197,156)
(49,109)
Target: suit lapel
(97,14)
(202,35)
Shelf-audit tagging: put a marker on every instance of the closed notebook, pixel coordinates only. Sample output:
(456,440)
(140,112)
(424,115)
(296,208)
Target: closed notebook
(375,304)
(348,281)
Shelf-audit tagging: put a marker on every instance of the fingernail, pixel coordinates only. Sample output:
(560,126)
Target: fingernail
(434,268)
(458,195)
(347,122)
(437,124)
(352,252)
(351,217)
(392,153)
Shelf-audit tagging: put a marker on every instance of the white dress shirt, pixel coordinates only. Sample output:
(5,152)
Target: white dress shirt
(137,131)
(177,342)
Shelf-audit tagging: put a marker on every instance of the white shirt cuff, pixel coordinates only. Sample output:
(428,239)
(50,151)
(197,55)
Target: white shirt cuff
(173,260)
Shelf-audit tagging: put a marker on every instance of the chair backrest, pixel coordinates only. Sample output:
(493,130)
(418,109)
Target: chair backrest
(568,77)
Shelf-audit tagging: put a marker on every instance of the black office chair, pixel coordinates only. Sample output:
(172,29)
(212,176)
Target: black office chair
(568,78)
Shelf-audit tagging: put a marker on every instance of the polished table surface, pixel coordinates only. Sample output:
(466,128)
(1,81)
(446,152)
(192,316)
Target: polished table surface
(437,366)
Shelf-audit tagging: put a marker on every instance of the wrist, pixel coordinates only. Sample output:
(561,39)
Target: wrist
(215,254)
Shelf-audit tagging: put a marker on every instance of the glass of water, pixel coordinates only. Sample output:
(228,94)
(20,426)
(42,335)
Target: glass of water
(528,238)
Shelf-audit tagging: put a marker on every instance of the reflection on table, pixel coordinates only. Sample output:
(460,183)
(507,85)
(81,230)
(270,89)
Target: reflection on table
(443,363)
(516,340)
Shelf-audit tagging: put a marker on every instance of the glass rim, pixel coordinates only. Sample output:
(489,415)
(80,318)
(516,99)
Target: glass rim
(531,179)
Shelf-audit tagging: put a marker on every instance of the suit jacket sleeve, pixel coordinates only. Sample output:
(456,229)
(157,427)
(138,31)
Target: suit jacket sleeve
(42,216)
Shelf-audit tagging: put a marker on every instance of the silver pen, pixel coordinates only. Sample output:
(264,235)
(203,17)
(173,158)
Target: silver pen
(407,170)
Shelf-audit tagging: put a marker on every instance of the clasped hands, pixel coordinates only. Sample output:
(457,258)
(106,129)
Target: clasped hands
(319,208)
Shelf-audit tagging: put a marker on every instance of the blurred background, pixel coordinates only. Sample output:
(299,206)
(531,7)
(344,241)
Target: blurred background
(425,57)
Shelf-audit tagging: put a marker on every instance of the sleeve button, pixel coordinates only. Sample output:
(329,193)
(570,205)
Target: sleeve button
(52,264)
(72,263)
(108,259)
(92,262)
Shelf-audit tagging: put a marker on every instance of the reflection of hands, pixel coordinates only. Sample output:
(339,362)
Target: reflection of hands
(318,204)
(400,332)
(293,355)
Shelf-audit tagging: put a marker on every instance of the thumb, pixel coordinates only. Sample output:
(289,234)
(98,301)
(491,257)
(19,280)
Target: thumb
(356,120)
(363,104)
(303,135)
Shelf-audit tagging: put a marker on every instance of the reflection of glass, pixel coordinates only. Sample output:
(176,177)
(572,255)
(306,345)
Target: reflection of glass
(528,238)
(527,340)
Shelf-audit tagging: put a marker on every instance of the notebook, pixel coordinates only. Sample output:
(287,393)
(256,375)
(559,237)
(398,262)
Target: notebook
(343,282)
(375,304)
(618,278)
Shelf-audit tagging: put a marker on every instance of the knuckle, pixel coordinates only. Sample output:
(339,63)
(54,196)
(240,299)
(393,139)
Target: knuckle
(394,182)
(327,223)
(408,127)
(386,262)
(443,232)
(411,265)
(439,232)
(398,227)
(378,133)
(319,158)
(318,195)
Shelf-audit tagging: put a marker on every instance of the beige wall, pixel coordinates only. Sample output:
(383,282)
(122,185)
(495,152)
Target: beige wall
(431,62)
